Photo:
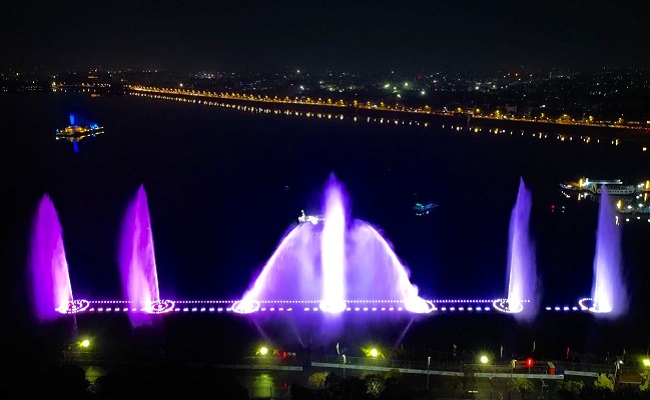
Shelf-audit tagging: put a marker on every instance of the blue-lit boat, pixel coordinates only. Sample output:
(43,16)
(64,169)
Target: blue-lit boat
(75,132)
(421,209)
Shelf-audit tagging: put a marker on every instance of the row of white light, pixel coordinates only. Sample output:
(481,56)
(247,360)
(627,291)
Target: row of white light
(221,309)
(164,306)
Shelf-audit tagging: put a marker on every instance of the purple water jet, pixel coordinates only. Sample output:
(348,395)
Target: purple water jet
(334,263)
(333,251)
(522,270)
(137,259)
(50,280)
(608,290)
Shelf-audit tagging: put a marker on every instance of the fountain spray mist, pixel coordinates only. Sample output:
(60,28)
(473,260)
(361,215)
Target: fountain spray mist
(137,259)
(522,271)
(608,289)
(50,280)
(332,262)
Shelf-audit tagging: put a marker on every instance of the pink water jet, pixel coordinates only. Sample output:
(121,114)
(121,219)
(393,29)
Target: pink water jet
(137,259)
(50,280)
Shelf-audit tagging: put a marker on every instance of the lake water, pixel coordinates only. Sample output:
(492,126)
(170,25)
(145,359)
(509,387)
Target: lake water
(224,186)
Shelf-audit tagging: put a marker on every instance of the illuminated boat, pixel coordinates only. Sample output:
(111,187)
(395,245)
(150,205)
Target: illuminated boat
(421,209)
(75,132)
(613,186)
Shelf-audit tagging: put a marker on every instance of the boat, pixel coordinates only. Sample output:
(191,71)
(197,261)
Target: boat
(74,132)
(421,209)
(613,186)
(314,219)
(620,190)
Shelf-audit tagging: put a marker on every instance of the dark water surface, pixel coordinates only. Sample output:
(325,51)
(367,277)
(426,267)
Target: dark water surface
(224,186)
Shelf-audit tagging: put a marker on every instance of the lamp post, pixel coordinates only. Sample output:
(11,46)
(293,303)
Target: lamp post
(617,365)
(512,369)
(544,386)
(345,361)
(428,369)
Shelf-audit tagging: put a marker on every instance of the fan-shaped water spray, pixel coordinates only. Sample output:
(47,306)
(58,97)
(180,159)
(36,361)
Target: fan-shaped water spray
(137,259)
(522,270)
(50,280)
(609,293)
(334,262)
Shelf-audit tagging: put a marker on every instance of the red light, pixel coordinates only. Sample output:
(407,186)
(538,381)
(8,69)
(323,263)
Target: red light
(284,354)
(529,362)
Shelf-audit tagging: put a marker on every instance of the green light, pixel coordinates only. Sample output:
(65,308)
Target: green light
(264,351)
(646,362)
(373,352)
(85,343)
(484,359)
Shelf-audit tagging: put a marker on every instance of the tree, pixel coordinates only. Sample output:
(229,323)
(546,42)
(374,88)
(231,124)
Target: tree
(351,388)
(521,385)
(646,380)
(317,380)
(604,383)
(569,390)
(396,390)
(375,384)
(456,386)
(393,374)
(459,384)
(468,376)
(297,392)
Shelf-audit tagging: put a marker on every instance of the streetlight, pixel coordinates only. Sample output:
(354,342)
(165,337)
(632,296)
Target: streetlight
(85,343)
(263,350)
(484,360)
(512,369)
(618,364)
(646,362)
(373,352)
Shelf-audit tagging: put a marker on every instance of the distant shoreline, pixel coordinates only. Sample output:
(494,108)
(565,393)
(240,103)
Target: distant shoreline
(405,113)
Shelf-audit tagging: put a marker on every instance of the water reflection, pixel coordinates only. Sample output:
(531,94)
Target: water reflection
(262,386)
(414,122)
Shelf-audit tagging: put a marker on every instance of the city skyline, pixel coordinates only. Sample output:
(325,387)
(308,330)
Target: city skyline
(317,35)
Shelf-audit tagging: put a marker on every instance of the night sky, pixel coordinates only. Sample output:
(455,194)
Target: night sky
(380,35)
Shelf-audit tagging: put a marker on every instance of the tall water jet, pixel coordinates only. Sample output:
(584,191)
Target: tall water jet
(50,279)
(137,258)
(608,291)
(522,271)
(333,250)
